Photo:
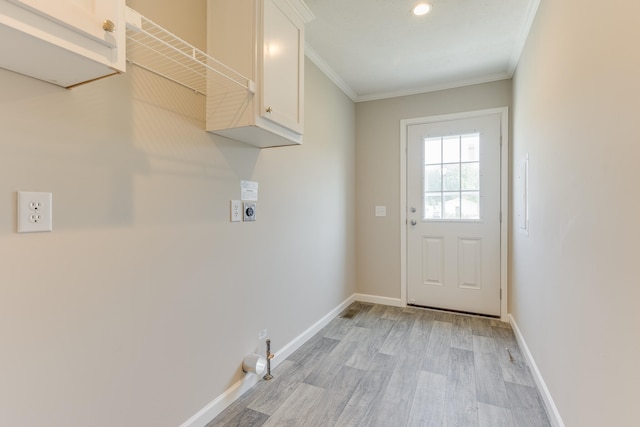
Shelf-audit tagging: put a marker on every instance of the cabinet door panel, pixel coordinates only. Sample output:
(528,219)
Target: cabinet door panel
(83,16)
(281,68)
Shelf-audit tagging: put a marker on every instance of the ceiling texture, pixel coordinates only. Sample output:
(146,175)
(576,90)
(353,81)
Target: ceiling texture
(375,49)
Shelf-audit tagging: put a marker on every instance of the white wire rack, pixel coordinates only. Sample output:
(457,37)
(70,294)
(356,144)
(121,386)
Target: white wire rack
(155,49)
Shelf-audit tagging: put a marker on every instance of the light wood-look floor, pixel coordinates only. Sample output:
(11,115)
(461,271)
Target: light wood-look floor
(394,367)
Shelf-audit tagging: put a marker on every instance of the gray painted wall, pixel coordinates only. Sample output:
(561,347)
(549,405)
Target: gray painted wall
(574,291)
(378,173)
(139,307)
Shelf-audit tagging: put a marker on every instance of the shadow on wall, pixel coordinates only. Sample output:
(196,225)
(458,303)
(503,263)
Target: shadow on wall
(127,144)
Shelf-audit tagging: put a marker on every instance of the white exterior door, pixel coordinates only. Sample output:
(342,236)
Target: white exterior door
(453,214)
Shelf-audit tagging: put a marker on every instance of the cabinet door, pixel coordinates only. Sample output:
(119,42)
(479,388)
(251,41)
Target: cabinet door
(83,16)
(282,66)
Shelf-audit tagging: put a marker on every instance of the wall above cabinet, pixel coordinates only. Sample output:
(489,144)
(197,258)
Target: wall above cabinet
(64,42)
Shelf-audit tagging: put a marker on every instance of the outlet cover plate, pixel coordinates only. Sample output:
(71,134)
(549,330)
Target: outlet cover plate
(34,212)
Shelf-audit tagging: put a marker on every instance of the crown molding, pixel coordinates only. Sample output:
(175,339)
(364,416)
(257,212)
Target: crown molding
(522,38)
(302,10)
(329,72)
(434,88)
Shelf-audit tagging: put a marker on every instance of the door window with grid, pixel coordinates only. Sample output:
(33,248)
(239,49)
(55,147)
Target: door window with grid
(452,178)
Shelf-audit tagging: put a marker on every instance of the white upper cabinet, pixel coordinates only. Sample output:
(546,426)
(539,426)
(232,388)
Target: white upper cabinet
(264,41)
(64,42)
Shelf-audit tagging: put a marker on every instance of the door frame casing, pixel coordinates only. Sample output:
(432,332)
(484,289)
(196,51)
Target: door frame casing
(504,195)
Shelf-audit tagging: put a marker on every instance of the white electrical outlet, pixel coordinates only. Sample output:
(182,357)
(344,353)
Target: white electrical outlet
(34,212)
(262,334)
(236,211)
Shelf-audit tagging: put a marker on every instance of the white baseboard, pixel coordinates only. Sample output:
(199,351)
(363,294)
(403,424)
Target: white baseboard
(220,403)
(373,299)
(552,410)
(288,349)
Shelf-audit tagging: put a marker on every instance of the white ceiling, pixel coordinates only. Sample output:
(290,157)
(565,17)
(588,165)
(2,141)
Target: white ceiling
(377,49)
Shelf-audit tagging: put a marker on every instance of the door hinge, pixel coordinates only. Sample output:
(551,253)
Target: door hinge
(500,217)
(500,294)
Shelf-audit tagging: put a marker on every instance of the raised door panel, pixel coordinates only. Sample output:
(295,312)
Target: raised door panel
(282,67)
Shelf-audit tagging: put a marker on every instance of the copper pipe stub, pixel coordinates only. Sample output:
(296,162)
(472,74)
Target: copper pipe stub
(268,375)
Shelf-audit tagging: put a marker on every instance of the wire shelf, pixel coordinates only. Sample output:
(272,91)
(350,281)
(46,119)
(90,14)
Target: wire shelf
(155,49)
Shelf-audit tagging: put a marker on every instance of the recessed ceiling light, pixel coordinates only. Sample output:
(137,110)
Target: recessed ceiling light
(421,9)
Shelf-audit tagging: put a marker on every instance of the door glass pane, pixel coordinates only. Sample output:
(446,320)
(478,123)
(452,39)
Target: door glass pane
(433,206)
(451,177)
(470,147)
(451,149)
(451,205)
(433,151)
(433,178)
(470,176)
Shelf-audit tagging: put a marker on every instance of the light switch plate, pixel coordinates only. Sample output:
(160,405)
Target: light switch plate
(381,211)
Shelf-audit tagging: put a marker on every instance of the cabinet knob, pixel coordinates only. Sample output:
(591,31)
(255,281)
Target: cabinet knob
(269,110)
(108,25)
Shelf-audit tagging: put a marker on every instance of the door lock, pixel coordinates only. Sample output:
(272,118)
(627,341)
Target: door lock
(413,210)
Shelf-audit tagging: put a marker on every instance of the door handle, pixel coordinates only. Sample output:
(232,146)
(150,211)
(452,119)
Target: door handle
(413,222)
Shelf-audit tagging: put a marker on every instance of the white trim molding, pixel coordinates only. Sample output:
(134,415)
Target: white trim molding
(329,72)
(373,299)
(552,410)
(532,10)
(220,403)
(504,196)
(302,10)
(297,342)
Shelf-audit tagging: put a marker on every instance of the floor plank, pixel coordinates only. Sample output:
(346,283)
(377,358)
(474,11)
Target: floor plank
(268,397)
(514,368)
(366,398)
(294,411)
(427,408)
(462,333)
(490,386)
(526,406)
(329,407)
(461,407)
(398,334)
(494,416)
(436,358)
